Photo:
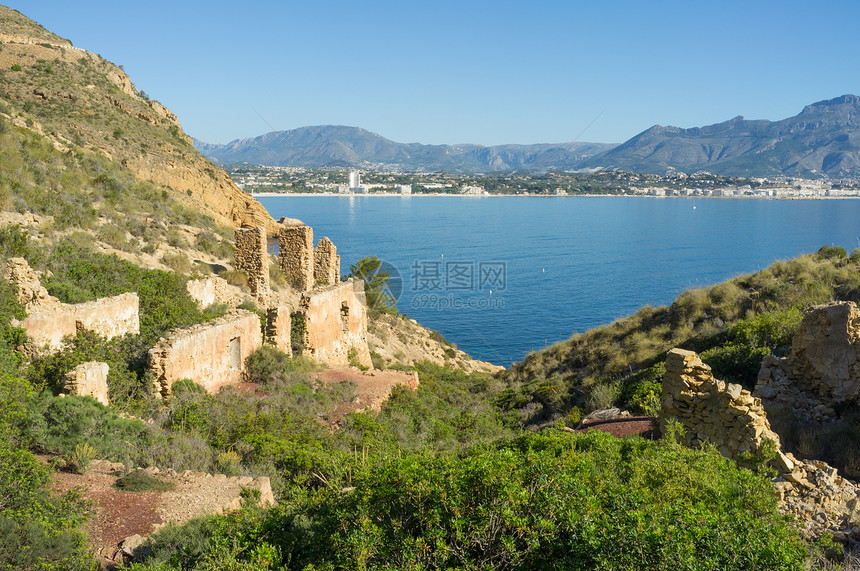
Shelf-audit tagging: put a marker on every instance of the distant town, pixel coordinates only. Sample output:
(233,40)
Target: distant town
(299,180)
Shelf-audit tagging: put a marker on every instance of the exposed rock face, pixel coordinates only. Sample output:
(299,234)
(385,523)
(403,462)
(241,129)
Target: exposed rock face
(251,258)
(214,194)
(210,354)
(711,410)
(89,379)
(336,322)
(207,291)
(823,368)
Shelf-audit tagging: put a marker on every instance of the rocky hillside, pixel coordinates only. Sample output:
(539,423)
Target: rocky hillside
(82,105)
(823,139)
(331,145)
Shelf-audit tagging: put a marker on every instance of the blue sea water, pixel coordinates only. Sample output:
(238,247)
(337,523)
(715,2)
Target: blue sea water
(502,276)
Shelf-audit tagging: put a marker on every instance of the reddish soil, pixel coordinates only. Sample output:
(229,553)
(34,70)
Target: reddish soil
(373,387)
(116,514)
(621,427)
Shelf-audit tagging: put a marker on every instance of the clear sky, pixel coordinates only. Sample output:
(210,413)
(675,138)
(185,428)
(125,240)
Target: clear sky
(469,71)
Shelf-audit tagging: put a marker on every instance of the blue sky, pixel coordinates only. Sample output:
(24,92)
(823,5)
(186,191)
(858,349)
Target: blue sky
(487,72)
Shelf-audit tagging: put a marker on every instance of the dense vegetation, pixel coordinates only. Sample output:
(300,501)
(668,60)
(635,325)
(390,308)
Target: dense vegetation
(450,475)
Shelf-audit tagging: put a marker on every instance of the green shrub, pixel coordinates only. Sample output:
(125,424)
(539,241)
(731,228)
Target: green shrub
(736,363)
(832,253)
(16,67)
(37,529)
(140,481)
(59,425)
(79,460)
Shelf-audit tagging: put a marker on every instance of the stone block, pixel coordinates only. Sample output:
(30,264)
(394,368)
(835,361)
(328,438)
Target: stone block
(88,379)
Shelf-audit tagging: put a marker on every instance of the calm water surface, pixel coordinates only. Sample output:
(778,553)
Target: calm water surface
(501,276)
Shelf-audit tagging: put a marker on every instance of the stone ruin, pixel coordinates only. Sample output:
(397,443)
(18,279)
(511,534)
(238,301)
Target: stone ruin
(279,328)
(335,319)
(823,368)
(210,354)
(48,320)
(211,290)
(734,421)
(326,263)
(305,266)
(251,258)
(88,379)
(711,410)
(297,256)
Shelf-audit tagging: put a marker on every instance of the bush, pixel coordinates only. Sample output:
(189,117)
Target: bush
(79,460)
(37,530)
(140,481)
(558,501)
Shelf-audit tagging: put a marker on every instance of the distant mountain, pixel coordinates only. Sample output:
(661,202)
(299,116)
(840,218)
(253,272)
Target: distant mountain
(823,138)
(330,145)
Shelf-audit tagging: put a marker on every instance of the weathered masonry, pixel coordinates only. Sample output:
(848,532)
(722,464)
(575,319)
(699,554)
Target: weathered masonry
(335,323)
(823,369)
(305,266)
(297,256)
(251,257)
(48,320)
(210,354)
(711,410)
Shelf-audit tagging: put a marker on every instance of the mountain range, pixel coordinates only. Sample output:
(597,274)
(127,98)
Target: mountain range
(823,139)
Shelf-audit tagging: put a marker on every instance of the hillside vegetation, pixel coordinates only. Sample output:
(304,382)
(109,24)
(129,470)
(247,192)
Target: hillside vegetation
(452,475)
(77,102)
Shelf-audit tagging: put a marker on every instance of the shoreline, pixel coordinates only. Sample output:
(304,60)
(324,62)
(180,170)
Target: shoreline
(444,195)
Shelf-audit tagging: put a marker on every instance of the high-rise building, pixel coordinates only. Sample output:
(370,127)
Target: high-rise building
(354,179)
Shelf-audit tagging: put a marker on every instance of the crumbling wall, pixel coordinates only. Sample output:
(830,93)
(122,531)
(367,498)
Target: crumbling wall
(326,263)
(335,322)
(711,410)
(109,317)
(48,320)
(206,291)
(823,368)
(297,256)
(210,354)
(28,289)
(88,379)
(250,257)
(278,328)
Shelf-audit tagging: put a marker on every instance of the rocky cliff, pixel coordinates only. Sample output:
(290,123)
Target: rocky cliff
(80,101)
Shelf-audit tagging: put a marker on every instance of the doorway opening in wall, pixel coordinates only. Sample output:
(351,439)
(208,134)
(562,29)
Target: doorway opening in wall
(236,353)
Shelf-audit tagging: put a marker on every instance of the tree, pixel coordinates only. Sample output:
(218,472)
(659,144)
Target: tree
(376,287)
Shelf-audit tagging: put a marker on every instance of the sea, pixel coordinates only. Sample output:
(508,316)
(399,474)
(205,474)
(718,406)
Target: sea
(503,276)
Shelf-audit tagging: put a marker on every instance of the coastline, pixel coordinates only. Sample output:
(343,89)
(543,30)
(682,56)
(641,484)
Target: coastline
(443,195)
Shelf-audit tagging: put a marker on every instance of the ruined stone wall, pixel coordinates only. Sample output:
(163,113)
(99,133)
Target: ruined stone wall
(207,291)
(823,368)
(211,354)
(88,379)
(250,257)
(48,320)
(297,256)
(711,410)
(109,317)
(326,263)
(335,322)
(28,289)
(278,328)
